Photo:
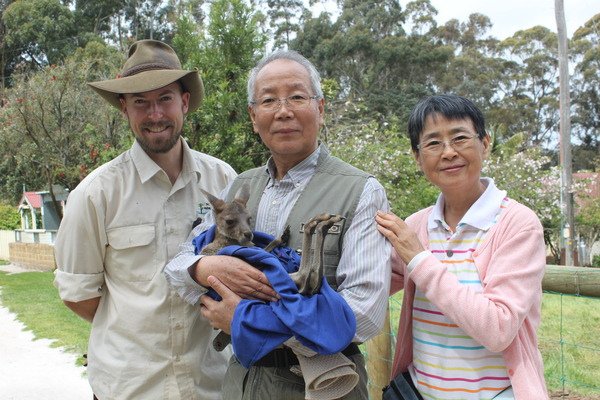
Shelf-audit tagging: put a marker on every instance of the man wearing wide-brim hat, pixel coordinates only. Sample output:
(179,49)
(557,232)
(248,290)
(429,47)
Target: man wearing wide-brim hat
(124,222)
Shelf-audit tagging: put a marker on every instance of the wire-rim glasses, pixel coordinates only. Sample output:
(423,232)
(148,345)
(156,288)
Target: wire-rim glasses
(294,102)
(436,147)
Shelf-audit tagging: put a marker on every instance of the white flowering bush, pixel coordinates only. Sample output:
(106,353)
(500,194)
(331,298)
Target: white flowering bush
(382,150)
(527,179)
(526,176)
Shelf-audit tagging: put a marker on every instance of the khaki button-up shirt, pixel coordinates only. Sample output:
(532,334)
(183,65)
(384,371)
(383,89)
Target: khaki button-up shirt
(121,226)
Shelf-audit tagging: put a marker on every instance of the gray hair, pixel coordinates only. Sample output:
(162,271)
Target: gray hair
(315,77)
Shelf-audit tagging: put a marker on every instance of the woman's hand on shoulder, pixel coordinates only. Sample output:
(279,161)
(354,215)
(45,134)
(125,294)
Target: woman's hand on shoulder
(401,236)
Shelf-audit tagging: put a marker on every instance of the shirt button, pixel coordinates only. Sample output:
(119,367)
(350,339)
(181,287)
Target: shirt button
(178,326)
(274,202)
(449,253)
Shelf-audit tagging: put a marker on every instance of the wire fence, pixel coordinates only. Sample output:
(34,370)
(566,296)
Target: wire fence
(569,340)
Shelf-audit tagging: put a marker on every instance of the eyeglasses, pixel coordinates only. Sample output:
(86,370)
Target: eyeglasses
(294,102)
(436,147)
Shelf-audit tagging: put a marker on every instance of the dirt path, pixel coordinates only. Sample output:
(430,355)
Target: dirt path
(31,369)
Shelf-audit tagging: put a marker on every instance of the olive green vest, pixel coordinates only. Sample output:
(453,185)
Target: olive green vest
(335,188)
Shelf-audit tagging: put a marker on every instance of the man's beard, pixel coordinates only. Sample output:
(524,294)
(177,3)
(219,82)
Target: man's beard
(158,147)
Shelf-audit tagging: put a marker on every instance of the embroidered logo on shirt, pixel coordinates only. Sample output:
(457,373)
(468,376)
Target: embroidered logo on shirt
(203,209)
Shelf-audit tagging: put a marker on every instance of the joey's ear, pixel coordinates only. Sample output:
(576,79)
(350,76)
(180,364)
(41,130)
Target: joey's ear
(243,194)
(217,203)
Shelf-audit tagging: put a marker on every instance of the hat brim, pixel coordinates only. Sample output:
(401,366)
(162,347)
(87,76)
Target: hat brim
(112,89)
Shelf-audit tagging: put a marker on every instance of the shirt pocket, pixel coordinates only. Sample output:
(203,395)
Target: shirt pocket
(131,253)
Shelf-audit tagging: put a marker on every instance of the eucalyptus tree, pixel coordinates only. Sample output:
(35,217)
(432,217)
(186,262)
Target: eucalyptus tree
(371,57)
(585,47)
(192,9)
(225,51)
(475,70)
(360,31)
(5,51)
(147,19)
(529,85)
(285,17)
(96,16)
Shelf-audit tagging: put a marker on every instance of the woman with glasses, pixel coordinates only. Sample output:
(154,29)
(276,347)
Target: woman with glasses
(471,268)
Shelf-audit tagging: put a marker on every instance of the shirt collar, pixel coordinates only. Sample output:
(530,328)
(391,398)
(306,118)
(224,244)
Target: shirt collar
(300,172)
(481,215)
(147,168)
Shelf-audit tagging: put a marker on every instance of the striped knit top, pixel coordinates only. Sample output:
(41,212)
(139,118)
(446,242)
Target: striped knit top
(448,363)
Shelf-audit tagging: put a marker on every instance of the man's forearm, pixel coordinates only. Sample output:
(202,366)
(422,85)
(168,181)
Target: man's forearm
(86,309)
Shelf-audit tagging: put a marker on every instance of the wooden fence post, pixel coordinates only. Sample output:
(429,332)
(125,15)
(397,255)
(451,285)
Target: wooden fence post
(379,359)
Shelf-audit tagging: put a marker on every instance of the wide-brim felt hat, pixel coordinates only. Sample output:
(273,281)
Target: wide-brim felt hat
(150,65)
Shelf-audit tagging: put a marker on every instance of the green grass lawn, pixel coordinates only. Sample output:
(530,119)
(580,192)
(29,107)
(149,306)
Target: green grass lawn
(32,296)
(573,322)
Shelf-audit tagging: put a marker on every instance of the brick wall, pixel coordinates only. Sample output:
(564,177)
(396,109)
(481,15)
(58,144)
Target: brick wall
(37,256)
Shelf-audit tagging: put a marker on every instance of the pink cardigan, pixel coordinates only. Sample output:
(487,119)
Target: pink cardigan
(505,316)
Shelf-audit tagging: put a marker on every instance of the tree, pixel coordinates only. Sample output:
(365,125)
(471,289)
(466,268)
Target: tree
(474,71)
(314,40)
(54,129)
(588,221)
(230,48)
(94,16)
(5,51)
(284,16)
(39,32)
(528,88)
(585,47)
(148,19)
(373,60)
(422,16)
(385,153)
(525,174)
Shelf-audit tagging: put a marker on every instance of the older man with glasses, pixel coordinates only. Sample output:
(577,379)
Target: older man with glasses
(301,179)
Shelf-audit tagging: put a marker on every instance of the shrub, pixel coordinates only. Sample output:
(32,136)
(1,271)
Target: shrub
(9,217)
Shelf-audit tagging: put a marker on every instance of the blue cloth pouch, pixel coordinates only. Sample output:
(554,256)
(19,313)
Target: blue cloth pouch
(323,322)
